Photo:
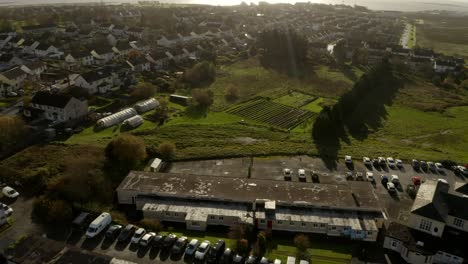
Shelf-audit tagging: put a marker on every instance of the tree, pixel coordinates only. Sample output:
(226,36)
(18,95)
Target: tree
(161,113)
(232,93)
(52,211)
(167,150)
(200,74)
(203,97)
(261,244)
(126,149)
(12,131)
(360,56)
(144,90)
(283,50)
(339,52)
(302,242)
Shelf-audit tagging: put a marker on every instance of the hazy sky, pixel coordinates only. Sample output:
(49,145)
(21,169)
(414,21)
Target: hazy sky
(401,5)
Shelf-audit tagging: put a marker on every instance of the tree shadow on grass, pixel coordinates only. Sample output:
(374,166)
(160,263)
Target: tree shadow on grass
(357,113)
(196,111)
(348,72)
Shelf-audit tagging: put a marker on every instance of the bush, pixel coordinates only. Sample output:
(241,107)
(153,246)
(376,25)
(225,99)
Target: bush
(232,93)
(144,90)
(302,242)
(127,149)
(151,224)
(51,211)
(203,97)
(167,150)
(200,74)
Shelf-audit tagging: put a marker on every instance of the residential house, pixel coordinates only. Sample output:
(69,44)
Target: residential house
(444,65)
(12,79)
(80,58)
(136,32)
(102,54)
(139,64)
(158,59)
(4,40)
(34,69)
(39,29)
(100,80)
(168,41)
(122,48)
(29,47)
(423,54)
(56,107)
(45,50)
(119,30)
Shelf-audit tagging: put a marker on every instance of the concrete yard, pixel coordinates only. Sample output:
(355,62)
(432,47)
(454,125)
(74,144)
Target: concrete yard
(237,168)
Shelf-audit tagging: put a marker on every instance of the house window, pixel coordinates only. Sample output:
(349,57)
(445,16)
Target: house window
(291,223)
(322,225)
(280,222)
(176,214)
(315,225)
(212,217)
(168,214)
(369,232)
(425,225)
(394,244)
(262,221)
(333,228)
(221,218)
(303,224)
(458,222)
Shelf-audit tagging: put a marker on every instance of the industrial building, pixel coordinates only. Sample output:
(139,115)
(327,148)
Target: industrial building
(201,201)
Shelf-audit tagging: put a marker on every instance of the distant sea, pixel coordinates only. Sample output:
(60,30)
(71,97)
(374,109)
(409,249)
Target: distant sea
(460,6)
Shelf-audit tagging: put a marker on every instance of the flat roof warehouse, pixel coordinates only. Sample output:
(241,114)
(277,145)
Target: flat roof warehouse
(356,197)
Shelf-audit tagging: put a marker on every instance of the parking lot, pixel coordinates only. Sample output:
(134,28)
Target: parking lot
(395,206)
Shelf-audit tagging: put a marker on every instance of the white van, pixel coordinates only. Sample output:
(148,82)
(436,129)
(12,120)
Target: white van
(291,260)
(98,224)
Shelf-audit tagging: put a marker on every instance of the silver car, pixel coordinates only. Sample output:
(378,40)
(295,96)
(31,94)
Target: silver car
(202,250)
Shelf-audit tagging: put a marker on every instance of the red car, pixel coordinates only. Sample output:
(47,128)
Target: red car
(416,180)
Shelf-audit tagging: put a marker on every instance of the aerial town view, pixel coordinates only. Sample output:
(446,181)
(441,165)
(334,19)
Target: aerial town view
(202,131)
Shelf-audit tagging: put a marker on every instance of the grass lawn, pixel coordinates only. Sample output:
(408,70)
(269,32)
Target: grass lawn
(317,105)
(253,80)
(295,99)
(320,253)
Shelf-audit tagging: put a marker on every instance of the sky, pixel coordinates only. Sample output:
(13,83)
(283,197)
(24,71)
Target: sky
(399,5)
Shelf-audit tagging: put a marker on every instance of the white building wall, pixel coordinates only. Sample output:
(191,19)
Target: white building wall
(436,227)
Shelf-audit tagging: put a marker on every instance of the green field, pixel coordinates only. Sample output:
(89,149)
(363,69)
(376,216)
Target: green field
(444,34)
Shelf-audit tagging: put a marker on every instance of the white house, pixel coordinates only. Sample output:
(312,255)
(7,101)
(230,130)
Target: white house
(81,58)
(29,47)
(13,79)
(56,107)
(34,69)
(102,54)
(101,80)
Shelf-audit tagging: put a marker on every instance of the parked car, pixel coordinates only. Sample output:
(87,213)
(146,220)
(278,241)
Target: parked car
(179,245)
(98,225)
(416,180)
(158,240)
(169,241)
(113,231)
(439,167)
(461,170)
(251,260)
(226,258)
(431,166)
(238,259)
(384,179)
(391,162)
(7,209)
(391,187)
(359,176)
(367,161)
(395,179)
(264,260)
(399,163)
(349,176)
(303,261)
(415,164)
(147,239)
(423,165)
(370,176)
(348,159)
(375,163)
(277,261)
(192,247)
(302,174)
(126,233)
(202,250)
(216,251)
(139,233)
(411,190)
(287,174)
(81,222)
(382,161)
(315,177)
(10,192)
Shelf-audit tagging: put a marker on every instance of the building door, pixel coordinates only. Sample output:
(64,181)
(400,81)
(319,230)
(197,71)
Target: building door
(270,224)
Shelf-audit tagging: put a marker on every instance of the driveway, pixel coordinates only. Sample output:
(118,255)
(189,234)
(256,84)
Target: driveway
(22,223)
